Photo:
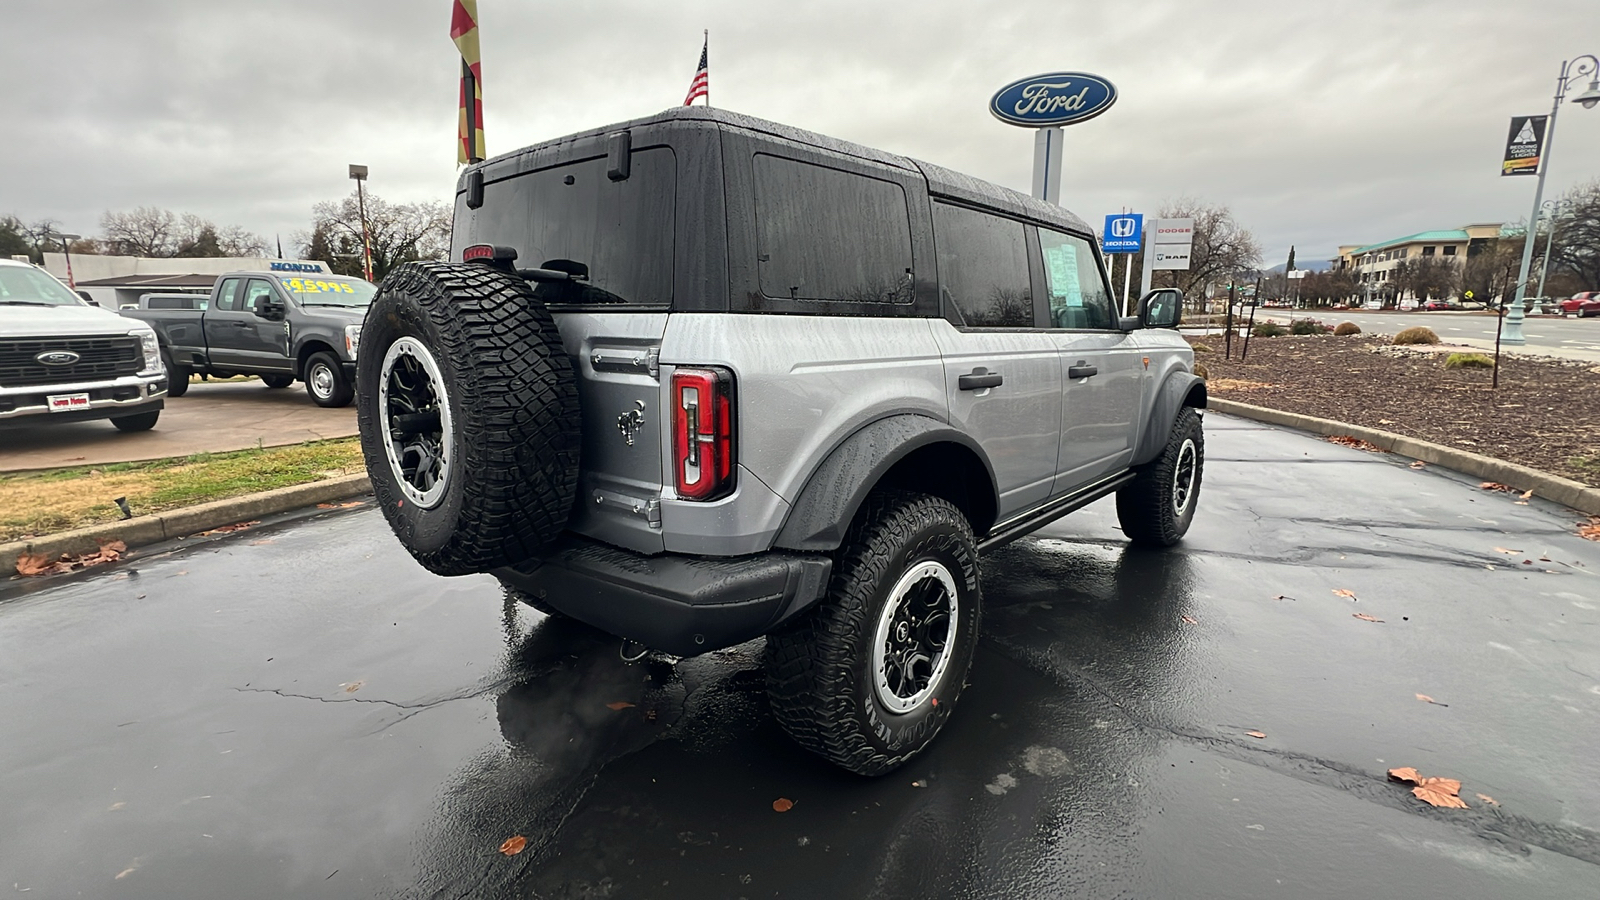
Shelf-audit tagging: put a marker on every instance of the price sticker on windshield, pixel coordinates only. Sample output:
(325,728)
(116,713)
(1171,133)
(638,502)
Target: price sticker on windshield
(307,286)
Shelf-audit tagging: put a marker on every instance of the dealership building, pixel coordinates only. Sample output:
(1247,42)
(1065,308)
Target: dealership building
(117,281)
(1375,263)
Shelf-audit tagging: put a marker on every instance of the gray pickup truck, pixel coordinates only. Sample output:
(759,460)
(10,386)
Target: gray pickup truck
(699,378)
(64,360)
(281,326)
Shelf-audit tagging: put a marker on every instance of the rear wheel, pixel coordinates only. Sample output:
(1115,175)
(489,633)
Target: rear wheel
(869,677)
(1156,508)
(469,416)
(325,380)
(137,422)
(277,382)
(177,379)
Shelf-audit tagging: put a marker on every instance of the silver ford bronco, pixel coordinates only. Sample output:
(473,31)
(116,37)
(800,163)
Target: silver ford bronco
(699,378)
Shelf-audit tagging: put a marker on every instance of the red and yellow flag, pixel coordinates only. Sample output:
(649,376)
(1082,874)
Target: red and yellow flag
(469,119)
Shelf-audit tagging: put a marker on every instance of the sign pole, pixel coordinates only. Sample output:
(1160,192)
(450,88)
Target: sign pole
(1047,165)
(1127,281)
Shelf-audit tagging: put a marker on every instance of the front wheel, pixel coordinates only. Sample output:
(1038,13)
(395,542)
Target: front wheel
(277,382)
(177,379)
(1155,509)
(325,381)
(137,422)
(869,677)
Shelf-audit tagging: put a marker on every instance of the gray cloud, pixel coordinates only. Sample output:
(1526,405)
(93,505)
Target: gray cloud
(1320,124)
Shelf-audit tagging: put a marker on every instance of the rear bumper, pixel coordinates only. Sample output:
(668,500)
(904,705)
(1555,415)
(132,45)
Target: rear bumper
(683,605)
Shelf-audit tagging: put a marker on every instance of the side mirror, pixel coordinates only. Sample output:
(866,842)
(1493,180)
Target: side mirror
(1162,308)
(270,308)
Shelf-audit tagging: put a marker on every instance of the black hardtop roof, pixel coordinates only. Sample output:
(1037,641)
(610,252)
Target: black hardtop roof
(942,182)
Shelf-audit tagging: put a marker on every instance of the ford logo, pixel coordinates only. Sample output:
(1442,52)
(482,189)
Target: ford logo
(1061,98)
(57,358)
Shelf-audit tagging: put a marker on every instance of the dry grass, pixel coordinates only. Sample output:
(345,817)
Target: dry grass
(38,503)
(1235,384)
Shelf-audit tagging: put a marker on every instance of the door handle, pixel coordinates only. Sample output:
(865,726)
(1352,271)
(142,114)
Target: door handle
(243,325)
(1082,370)
(980,379)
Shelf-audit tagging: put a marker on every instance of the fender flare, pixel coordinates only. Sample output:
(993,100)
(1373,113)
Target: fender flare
(1179,390)
(834,492)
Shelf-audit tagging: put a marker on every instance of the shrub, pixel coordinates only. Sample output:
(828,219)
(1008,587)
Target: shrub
(1417,334)
(1269,329)
(1468,361)
(1346,328)
(1308,326)
(1201,348)
(1200,369)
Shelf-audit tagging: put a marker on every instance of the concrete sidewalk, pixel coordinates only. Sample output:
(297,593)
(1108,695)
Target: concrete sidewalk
(210,418)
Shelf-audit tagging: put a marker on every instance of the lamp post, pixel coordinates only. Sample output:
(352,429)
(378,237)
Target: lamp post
(66,251)
(1571,71)
(1554,209)
(358,174)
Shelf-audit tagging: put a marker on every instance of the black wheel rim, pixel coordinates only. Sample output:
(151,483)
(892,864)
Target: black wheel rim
(915,633)
(1183,476)
(415,412)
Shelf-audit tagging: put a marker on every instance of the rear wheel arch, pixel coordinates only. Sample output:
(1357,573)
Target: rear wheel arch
(907,452)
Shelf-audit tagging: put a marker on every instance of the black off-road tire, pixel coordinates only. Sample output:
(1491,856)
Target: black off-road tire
(819,668)
(1152,511)
(277,382)
(138,421)
(335,390)
(177,379)
(514,422)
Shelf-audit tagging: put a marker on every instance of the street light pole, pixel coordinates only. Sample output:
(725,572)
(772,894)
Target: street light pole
(359,175)
(1555,207)
(66,250)
(1571,71)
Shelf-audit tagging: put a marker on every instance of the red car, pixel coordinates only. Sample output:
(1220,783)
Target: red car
(1585,304)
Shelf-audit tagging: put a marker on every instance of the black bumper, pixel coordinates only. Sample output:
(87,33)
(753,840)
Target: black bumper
(683,605)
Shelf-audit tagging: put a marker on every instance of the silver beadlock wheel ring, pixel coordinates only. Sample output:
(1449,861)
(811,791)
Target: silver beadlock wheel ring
(917,628)
(1183,475)
(414,410)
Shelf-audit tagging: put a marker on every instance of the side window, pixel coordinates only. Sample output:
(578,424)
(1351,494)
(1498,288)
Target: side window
(983,268)
(228,297)
(255,291)
(823,234)
(1078,294)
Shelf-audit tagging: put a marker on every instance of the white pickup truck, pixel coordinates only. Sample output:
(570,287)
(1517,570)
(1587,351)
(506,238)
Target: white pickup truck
(63,360)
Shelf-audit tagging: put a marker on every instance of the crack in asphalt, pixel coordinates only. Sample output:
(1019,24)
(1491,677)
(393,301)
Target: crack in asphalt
(1497,826)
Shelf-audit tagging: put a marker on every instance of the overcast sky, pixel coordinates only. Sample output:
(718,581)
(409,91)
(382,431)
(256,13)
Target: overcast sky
(1318,123)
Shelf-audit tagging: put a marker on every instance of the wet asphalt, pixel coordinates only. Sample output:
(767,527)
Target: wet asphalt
(299,710)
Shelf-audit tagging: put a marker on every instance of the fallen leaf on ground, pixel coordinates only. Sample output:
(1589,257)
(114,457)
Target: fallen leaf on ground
(1506,552)
(1432,791)
(1426,699)
(782,804)
(34,564)
(1488,799)
(1525,495)
(227,529)
(1344,593)
(1345,440)
(620,704)
(1591,530)
(346,505)
(920,783)
(126,872)
(1190,620)
(1256,734)
(1365,618)
(1418,464)
(352,687)
(514,845)
(1497,486)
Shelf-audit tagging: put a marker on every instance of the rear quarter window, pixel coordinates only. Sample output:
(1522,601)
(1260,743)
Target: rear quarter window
(827,234)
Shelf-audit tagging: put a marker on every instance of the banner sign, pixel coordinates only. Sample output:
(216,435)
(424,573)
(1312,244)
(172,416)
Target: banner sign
(1524,145)
(1046,101)
(1124,233)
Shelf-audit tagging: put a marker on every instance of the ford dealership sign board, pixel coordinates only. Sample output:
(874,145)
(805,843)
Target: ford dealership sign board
(1049,101)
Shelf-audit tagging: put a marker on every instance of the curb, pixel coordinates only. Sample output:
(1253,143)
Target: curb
(183,522)
(1565,491)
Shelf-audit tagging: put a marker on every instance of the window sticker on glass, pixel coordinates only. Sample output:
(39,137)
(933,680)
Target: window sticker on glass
(1061,262)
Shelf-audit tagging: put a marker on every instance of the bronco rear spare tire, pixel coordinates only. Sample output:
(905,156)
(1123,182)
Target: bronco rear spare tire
(468,408)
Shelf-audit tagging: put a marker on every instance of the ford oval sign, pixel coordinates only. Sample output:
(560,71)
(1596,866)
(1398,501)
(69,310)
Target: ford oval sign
(57,358)
(1060,98)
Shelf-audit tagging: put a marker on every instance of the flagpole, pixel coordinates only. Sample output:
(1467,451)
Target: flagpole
(706,48)
(469,88)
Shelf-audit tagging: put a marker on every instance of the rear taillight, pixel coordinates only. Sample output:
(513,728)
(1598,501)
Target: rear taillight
(702,433)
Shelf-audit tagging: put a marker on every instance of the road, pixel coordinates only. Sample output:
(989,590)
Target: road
(1572,337)
(210,418)
(301,711)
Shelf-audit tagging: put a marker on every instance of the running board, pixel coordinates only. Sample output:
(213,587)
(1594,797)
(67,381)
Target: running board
(1008,531)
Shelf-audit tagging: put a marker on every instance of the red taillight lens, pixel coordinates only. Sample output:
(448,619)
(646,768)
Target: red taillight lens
(702,433)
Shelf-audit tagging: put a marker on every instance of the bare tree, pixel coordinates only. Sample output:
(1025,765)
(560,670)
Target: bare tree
(145,231)
(399,233)
(1426,277)
(1575,248)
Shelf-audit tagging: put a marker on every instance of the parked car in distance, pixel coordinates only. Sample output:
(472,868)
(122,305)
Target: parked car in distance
(1435,305)
(281,325)
(65,360)
(1583,305)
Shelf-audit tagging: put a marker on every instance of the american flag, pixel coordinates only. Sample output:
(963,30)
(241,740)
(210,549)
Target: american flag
(701,85)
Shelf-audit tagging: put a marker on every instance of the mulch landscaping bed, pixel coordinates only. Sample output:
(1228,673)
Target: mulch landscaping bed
(1545,414)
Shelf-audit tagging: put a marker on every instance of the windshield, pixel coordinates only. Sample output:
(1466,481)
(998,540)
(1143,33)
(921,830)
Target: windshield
(331,290)
(28,286)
